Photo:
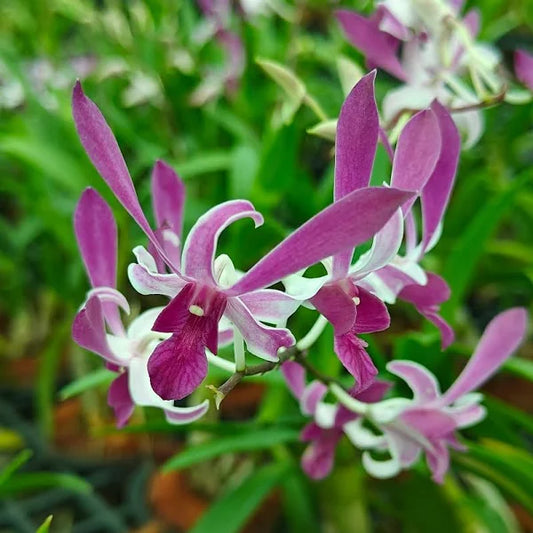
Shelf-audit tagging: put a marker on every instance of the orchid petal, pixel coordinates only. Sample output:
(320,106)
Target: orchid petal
(420,380)
(438,462)
(436,192)
(378,47)
(373,393)
(200,246)
(96,233)
(326,415)
(88,331)
(417,152)
(333,301)
(468,415)
(263,341)
(344,224)
(501,338)
(357,138)
(146,282)
(313,393)
(319,456)
(372,314)
(119,398)
(142,325)
(431,423)
(294,375)
(168,195)
(362,437)
(381,469)
(104,152)
(523,65)
(352,354)
(144,395)
(355,149)
(177,368)
(270,305)
(385,247)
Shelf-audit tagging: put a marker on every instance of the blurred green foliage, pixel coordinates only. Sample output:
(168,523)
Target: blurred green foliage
(144,63)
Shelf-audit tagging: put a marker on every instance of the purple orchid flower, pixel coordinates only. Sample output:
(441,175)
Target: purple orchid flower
(179,364)
(433,57)
(427,423)
(325,432)
(523,65)
(402,277)
(351,297)
(125,351)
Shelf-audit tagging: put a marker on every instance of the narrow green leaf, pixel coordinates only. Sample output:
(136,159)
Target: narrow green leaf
(256,440)
(20,459)
(33,481)
(102,376)
(45,526)
(460,266)
(299,506)
(230,512)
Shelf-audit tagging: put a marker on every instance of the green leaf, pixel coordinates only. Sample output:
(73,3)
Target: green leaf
(256,440)
(460,266)
(299,506)
(230,512)
(506,466)
(243,170)
(102,376)
(20,459)
(45,526)
(33,481)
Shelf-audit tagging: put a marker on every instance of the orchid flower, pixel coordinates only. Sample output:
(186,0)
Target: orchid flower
(428,423)
(437,47)
(351,296)
(216,26)
(326,430)
(403,277)
(199,299)
(523,64)
(125,351)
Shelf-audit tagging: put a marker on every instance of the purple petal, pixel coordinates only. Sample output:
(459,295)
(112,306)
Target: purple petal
(438,461)
(385,246)
(468,415)
(200,246)
(96,233)
(313,393)
(119,398)
(270,305)
(319,456)
(388,23)
(352,354)
(88,331)
(431,423)
(436,192)
(374,392)
(357,137)
(344,224)
(472,22)
(294,375)
(417,152)
(420,380)
(378,47)
(501,338)
(104,152)
(372,314)
(426,299)
(435,292)
(523,66)
(177,366)
(263,341)
(337,305)
(168,196)
(355,149)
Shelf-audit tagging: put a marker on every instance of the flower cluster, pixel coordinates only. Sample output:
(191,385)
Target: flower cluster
(433,51)
(164,353)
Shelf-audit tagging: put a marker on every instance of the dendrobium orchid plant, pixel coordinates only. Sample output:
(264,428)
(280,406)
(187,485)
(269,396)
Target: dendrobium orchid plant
(163,355)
